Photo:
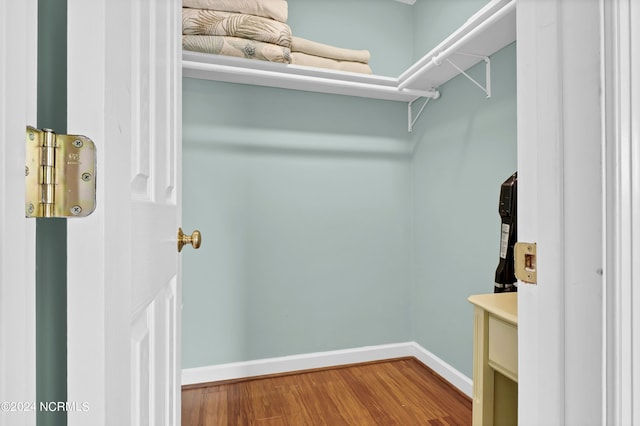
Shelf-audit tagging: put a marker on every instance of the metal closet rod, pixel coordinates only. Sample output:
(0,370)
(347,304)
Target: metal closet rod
(437,59)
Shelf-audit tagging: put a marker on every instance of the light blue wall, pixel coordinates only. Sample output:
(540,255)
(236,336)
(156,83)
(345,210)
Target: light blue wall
(321,232)
(465,149)
(302,200)
(375,25)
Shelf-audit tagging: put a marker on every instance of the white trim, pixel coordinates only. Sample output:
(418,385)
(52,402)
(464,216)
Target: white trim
(622,237)
(18,105)
(450,374)
(285,364)
(634,321)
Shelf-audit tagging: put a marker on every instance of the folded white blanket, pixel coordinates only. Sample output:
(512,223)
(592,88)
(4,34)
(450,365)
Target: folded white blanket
(299,44)
(274,9)
(238,47)
(213,22)
(299,58)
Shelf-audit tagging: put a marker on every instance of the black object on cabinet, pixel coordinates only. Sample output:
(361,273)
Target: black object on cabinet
(505,280)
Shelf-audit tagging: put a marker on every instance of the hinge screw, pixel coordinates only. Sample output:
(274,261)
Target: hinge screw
(30,208)
(31,136)
(26,170)
(76,210)
(77,143)
(86,177)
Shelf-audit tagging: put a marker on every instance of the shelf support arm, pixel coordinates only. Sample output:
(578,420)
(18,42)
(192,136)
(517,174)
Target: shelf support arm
(412,120)
(487,88)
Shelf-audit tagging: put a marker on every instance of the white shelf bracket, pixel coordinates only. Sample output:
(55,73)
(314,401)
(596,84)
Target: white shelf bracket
(412,120)
(487,87)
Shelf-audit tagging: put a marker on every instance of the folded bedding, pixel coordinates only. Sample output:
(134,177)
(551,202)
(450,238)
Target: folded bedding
(299,58)
(238,47)
(257,29)
(299,44)
(274,9)
(212,22)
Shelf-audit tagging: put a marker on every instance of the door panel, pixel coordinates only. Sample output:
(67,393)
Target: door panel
(17,234)
(124,286)
(153,355)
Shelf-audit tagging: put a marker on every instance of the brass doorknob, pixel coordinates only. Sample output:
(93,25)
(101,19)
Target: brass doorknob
(194,239)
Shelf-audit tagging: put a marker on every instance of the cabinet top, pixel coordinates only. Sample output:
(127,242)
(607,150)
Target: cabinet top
(502,305)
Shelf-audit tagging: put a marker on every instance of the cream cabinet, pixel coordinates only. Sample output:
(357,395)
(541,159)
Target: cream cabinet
(495,359)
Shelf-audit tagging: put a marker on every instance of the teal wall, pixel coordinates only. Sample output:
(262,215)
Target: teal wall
(374,25)
(327,225)
(302,200)
(465,149)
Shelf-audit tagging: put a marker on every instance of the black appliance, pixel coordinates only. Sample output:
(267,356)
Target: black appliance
(505,280)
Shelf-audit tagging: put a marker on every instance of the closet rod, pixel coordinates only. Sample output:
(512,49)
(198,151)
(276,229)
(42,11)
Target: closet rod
(436,60)
(304,82)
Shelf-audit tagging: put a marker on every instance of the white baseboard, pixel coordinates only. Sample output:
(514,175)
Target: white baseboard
(261,367)
(450,374)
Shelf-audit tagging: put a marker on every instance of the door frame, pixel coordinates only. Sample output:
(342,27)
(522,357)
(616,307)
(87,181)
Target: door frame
(18,80)
(621,207)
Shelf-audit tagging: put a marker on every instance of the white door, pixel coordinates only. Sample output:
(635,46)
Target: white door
(124,92)
(17,234)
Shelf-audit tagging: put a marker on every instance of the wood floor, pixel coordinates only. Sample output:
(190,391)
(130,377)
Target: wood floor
(395,392)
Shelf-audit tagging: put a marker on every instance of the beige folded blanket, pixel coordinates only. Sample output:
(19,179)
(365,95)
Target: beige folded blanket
(299,44)
(274,9)
(211,22)
(299,58)
(238,47)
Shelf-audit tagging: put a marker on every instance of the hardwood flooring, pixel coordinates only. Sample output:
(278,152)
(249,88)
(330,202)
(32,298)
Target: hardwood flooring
(394,392)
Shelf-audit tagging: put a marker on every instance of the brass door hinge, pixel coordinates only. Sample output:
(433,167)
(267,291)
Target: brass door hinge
(525,256)
(60,174)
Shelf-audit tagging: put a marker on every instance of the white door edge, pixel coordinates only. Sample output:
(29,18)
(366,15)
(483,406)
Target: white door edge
(124,92)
